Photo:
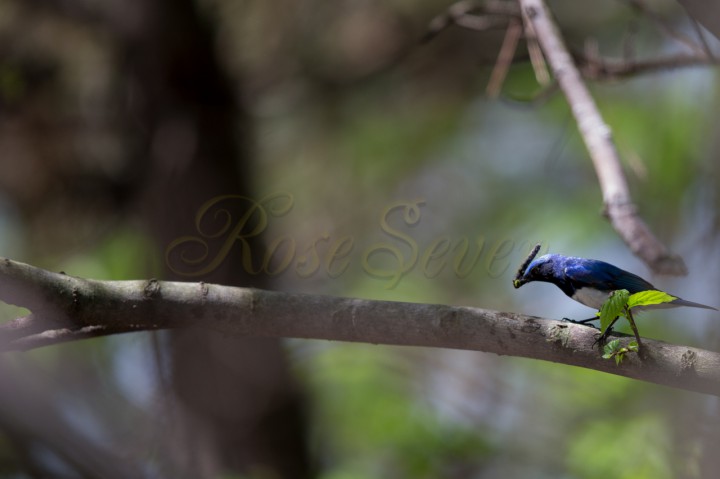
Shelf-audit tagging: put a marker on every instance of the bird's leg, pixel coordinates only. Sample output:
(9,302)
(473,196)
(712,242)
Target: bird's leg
(605,334)
(581,321)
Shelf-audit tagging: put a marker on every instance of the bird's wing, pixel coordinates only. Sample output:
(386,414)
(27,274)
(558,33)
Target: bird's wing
(604,276)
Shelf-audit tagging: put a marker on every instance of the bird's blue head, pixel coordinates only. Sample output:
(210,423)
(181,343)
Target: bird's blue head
(540,269)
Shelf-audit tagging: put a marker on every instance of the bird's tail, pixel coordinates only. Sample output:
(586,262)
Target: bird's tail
(682,302)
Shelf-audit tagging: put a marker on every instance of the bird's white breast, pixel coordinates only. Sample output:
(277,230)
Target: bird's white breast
(591,297)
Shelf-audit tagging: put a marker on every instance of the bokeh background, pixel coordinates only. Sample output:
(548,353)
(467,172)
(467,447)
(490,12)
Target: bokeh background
(120,119)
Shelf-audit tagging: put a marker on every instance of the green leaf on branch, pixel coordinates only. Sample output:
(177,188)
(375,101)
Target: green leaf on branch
(613,307)
(611,349)
(614,350)
(648,298)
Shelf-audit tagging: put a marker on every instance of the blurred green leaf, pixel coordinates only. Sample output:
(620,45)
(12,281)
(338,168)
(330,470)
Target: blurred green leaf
(365,402)
(622,448)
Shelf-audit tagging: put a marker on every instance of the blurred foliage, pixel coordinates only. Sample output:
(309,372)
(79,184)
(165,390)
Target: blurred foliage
(350,115)
(629,448)
(364,399)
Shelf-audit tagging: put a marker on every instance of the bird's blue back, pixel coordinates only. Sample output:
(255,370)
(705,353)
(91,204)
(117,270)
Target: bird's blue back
(592,273)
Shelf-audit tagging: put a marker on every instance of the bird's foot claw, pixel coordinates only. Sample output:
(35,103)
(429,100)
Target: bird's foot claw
(603,337)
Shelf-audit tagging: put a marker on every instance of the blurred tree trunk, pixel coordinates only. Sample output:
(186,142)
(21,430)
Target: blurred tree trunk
(240,410)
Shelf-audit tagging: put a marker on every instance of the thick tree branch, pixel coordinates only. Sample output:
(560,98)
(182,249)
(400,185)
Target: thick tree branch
(66,308)
(619,207)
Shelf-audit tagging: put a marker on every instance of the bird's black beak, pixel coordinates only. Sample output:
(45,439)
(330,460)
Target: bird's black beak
(517,282)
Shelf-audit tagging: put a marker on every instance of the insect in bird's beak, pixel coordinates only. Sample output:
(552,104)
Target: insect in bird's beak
(518,280)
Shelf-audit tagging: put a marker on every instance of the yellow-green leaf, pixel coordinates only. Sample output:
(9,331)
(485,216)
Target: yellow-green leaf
(650,297)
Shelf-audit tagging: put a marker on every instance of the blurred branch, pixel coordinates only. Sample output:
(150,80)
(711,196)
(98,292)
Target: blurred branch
(473,15)
(619,208)
(701,36)
(666,27)
(477,16)
(505,58)
(535,52)
(65,308)
(704,12)
(598,68)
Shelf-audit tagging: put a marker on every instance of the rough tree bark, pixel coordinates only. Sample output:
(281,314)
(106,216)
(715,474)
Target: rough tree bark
(66,308)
